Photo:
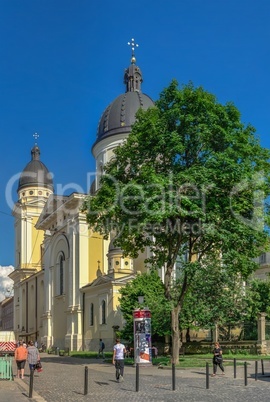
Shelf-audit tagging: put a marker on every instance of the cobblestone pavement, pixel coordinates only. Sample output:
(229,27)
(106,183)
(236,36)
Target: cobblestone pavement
(62,379)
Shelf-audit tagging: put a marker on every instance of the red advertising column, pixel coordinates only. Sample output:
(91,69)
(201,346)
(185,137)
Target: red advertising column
(142,335)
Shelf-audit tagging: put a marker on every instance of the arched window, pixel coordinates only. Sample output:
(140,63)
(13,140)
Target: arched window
(61,275)
(91,316)
(103,312)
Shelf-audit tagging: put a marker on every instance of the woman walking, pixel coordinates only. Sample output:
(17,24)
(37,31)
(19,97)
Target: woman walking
(33,355)
(20,355)
(217,359)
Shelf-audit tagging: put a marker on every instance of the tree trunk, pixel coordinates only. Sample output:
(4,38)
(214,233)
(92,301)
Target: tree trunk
(175,334)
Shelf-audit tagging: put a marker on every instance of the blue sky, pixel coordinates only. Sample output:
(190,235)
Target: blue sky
(62,63)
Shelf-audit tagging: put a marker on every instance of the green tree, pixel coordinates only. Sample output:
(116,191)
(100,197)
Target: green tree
(215,296)
(257,298)
(189,183)
(151,287)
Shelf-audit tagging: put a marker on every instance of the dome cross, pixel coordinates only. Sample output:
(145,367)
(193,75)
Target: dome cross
(36,136)
(133,45)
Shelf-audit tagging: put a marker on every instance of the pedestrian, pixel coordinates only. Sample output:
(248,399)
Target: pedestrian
(154,351)
(20,355)
(101,349)
(119,351)
(33,355)
(217,359)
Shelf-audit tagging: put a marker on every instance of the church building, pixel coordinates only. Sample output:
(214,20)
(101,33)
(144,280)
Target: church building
(67,278)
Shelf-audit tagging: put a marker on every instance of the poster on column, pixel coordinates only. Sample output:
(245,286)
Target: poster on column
(142,336)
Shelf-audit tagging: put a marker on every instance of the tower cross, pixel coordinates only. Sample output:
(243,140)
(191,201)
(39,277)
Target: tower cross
(36,136)
(133,45)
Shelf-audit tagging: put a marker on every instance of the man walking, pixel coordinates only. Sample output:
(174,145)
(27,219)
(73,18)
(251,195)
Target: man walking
(101,349)
(119,351)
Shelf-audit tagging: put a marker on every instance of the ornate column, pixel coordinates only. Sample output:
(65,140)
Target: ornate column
(47,338)
(261,344)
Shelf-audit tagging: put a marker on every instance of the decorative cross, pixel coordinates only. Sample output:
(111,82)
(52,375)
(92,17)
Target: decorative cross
(133,45)
(36,136)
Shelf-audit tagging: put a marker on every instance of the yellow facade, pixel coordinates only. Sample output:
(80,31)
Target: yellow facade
(71,273)
(67,278)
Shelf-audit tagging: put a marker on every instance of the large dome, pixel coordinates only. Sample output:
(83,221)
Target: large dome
(35,173)
(120,114)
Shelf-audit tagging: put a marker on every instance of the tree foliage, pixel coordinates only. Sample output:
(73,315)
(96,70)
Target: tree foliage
(257,298)
(189,183)
(151,287)
(215,296)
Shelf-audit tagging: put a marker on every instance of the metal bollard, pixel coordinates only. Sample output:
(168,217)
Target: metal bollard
(31,383)
(207,375)
(173,376)
(137,377)
(85,380)
(262,366)
(234,368)
(256,370)
(245,373)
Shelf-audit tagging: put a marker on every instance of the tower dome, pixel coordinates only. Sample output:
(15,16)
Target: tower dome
(120,114)
(116,261)
(35,173)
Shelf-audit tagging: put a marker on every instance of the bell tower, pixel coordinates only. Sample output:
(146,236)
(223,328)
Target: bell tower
(118,265)
(34,188)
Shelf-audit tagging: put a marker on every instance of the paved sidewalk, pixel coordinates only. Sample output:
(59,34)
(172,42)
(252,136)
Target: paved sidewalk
(62,380)
(17,391)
